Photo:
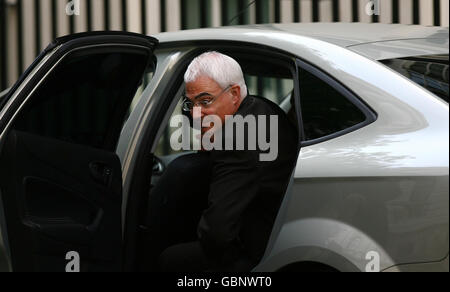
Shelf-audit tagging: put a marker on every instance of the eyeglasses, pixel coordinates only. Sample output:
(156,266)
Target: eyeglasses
(206,101)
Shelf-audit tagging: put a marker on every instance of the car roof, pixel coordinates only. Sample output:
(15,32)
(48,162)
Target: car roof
(373,40)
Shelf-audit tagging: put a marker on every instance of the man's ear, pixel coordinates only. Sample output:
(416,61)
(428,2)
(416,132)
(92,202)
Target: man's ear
(236,92)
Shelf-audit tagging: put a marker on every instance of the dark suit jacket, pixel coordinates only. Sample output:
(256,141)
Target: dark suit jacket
(246,193)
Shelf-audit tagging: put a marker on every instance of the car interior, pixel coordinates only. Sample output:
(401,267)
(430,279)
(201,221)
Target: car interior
(266,77)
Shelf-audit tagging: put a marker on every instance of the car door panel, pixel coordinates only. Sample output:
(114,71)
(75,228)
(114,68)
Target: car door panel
(62,205)
(61,181)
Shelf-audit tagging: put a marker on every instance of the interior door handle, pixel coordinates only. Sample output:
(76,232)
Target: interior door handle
(101,173)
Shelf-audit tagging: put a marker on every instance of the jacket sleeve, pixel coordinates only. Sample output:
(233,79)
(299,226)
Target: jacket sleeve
(233,187)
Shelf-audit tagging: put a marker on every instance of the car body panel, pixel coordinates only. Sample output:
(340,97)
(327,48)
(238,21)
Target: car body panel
(402,48)
(381,188)
(441,266)
(403,219)
(350,34)
(345,35)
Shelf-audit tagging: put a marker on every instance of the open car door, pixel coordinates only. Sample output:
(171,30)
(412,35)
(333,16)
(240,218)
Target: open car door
(60,179)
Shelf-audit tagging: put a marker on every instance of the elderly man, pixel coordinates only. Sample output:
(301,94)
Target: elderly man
(245,192)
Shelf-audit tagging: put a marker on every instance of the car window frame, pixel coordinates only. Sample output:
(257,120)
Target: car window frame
(286,60)
(370,114)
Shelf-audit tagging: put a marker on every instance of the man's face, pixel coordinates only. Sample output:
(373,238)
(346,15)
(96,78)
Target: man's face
(205,88)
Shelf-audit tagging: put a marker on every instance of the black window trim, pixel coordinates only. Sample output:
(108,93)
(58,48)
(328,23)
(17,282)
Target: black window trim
(371,115)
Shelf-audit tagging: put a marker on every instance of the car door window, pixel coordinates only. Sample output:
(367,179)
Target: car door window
(89,82)
(325,110)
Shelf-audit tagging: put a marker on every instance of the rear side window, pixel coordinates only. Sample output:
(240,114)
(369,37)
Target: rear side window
(325,111)
(430,72)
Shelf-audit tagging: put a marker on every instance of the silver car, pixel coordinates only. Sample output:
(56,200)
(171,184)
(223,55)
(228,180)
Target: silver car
(85,134)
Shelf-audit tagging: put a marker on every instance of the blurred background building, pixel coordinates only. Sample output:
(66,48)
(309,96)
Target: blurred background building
(27,26)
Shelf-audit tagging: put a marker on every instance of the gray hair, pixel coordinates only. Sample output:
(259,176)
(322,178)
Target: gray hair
(219,67)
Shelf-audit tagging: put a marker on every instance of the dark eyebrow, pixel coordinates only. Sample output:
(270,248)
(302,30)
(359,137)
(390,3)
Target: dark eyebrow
(201,95)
